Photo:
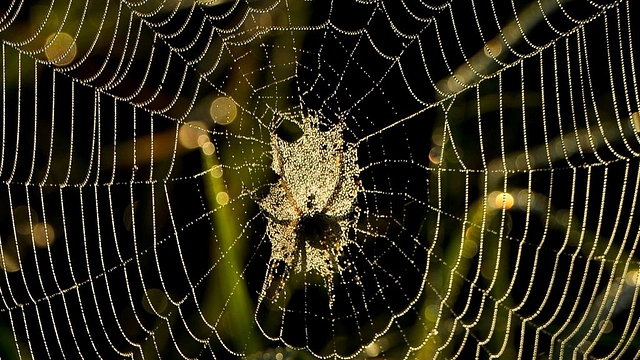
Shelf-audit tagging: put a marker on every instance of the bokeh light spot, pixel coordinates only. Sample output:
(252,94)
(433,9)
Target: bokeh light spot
(223,110)
(61,49)
(222,198)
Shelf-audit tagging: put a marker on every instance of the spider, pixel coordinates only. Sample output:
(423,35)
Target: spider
(312,206)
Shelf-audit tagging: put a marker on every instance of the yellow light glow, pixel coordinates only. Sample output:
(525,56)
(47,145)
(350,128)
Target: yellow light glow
(470,249)
(260,20)
(216,171)
(435,155)
(190,134)
(453,84)
(493,46)
(437,136)
(431,312)
(469,232)
(155,300)
(636,120)
(501,200)
(606,326)
(563,216)
(521,161)
(203,139)
(43,235)
(223,110)
(61,49)
(208,148)
(464,74)
(10,257)
(22,220)
(512,33)
(523,197)
(213,2)
(372,350)
(222,198)
(632,278)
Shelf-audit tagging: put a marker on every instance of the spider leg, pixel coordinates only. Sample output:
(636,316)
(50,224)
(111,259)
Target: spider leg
(335,254)
(275,280)
(275,121)
(279,270)
(349,267)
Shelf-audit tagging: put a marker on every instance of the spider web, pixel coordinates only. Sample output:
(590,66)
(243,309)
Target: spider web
(497,150)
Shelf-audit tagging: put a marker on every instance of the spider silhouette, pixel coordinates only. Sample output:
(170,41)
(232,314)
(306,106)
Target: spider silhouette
(311,207)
